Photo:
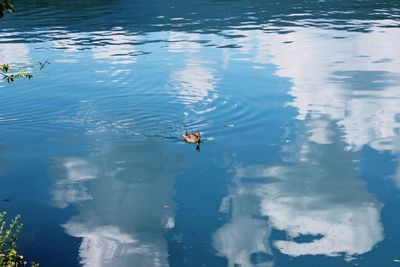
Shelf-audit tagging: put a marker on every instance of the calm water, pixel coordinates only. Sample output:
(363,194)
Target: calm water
(298,103)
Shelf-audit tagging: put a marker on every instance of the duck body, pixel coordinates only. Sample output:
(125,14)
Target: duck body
(192,137)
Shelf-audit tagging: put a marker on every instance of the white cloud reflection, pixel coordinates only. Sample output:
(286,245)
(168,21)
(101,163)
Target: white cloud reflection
(70,188)
(69,41)
(352,80)
(244,235)
(185,42)
(108,246)
(14,53)
(116,45)
(195,83)
(128,207)
(254,44)
(345,226)
(242,238)
(316,198)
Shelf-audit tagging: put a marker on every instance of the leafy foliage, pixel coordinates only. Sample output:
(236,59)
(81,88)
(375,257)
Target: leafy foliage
(9,234)
(5,6)
(10,72)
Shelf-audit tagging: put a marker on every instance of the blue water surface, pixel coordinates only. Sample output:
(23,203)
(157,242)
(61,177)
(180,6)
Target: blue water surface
(297,103)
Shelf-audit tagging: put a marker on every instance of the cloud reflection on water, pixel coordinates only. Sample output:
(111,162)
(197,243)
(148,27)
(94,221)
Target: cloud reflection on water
(71,189)
(116,45)
(246,234)
(350,80)
(316,196)
(195,81)
(194,84)
(343,87)
(11,53)
(130,205)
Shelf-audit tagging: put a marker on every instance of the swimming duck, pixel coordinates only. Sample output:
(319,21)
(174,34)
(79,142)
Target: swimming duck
(192,137)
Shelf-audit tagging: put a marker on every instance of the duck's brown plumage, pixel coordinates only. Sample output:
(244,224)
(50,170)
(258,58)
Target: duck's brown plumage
(192,137)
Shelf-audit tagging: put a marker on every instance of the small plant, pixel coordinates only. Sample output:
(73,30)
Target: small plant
(5,6)
(10,72)
(9,256)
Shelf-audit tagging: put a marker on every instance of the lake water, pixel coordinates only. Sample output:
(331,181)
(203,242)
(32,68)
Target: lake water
(298,103)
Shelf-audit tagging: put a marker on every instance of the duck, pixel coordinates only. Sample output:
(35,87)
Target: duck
(192,137)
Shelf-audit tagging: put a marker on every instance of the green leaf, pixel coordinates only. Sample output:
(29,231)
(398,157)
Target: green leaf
(9,6)
(6,6)
(4,68)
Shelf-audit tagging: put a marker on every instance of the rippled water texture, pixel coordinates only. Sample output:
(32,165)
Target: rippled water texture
(297,103)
